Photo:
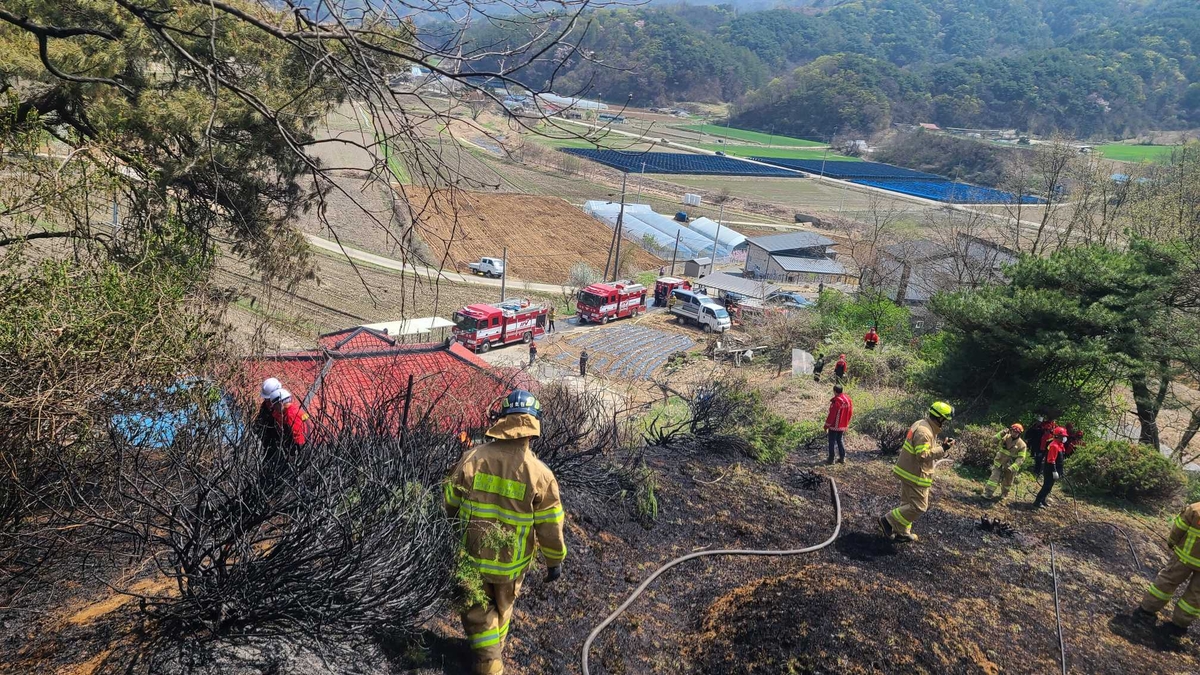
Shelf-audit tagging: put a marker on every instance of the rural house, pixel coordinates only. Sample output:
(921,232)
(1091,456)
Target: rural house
(915,271)
(357,371)
(795,257)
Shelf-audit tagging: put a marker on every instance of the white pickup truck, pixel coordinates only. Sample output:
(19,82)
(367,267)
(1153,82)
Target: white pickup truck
(488,267)
(701,310)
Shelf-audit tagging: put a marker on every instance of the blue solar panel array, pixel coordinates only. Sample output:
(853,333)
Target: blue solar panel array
(903,181)
(850,170)
(873,174)
(679,163)
(946,191)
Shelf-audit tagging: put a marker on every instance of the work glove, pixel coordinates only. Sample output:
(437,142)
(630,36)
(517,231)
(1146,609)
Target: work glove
(553,574)
(948,444)
(1056,476)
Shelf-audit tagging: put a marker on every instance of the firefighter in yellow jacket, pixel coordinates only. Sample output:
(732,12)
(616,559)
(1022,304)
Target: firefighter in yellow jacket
(1183,571)
(508,500)
(1009,456)
(914,468)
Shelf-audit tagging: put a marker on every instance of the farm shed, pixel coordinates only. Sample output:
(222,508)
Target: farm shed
(761,251)
(425,329)
(815,270)
(746,288)
(697,267)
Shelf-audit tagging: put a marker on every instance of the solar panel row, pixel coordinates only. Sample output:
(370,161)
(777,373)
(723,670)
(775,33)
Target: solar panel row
(678,163)
(873,174)
(849,170)
(946,191)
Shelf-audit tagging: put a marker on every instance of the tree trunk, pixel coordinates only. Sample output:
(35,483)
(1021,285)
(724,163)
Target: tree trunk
(1147,411)
(1192,427)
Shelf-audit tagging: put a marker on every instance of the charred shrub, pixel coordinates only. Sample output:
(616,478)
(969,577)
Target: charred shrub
(341,536)
(729,416)
(581,441)
(1126,471)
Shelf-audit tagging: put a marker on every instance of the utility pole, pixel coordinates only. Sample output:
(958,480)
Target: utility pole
(717,236)
(504,274)
(641,181)
(675,253)
(620,222)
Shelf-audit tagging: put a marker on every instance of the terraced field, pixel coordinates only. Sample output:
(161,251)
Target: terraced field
(545,236)
(629,352)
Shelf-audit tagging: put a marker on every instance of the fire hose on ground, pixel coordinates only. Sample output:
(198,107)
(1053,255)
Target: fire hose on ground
(837,507)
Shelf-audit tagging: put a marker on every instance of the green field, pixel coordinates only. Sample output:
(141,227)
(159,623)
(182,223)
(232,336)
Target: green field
(750,136)
(1124,152)
(778,153)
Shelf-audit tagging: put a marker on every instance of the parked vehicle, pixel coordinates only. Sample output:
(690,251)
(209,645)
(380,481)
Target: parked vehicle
(600,302)
(700,310)
(489,267)
(789,300)
(481,327)
(663,287)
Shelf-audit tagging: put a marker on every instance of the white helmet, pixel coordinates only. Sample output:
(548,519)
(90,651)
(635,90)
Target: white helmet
(270,386)
(281,395)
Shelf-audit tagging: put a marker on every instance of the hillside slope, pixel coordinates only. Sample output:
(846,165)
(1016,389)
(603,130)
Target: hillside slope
(959,601)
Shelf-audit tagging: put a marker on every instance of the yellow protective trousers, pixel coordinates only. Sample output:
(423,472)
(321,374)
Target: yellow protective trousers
(1159,593)
(1002,477)
(486,625)
(914,502)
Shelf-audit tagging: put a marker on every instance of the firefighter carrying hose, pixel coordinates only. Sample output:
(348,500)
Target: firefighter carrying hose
(914,468)
(1009,457)
(508,501)
(1183,571)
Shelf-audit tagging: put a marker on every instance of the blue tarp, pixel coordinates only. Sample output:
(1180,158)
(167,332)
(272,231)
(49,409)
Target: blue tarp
(161,415)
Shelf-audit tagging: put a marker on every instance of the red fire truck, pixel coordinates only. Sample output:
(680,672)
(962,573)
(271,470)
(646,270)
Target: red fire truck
(480,327)
(601,302)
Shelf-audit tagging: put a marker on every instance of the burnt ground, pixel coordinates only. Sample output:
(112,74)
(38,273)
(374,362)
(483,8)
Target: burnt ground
(959,601)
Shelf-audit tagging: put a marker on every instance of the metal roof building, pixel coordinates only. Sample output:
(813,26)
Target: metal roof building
(810,265)
(750,288)
(789,241)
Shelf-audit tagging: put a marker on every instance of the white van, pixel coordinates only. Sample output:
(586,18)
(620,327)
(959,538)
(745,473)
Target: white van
(701,310)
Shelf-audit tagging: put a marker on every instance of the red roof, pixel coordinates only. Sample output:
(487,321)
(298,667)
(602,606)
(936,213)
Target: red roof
(362,374)
(356,340)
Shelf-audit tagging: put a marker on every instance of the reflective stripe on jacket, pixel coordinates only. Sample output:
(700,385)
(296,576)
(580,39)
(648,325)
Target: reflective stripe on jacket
(509,501)
(1012,450)
(918,454)
(1185,536)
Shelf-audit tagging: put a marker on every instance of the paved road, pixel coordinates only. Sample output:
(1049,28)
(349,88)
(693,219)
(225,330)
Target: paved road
(514,285)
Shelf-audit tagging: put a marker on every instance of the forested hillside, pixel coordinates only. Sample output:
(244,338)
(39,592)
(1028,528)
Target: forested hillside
(1108,67)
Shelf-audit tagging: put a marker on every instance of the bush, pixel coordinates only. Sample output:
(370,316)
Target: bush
(977,445)
(888,424)
(886,367)
(1120,469)
(729,415)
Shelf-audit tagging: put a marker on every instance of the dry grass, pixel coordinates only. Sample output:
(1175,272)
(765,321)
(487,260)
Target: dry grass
(545,236)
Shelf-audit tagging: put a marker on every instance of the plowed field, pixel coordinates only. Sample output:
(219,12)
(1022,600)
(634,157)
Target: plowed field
(544,235)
